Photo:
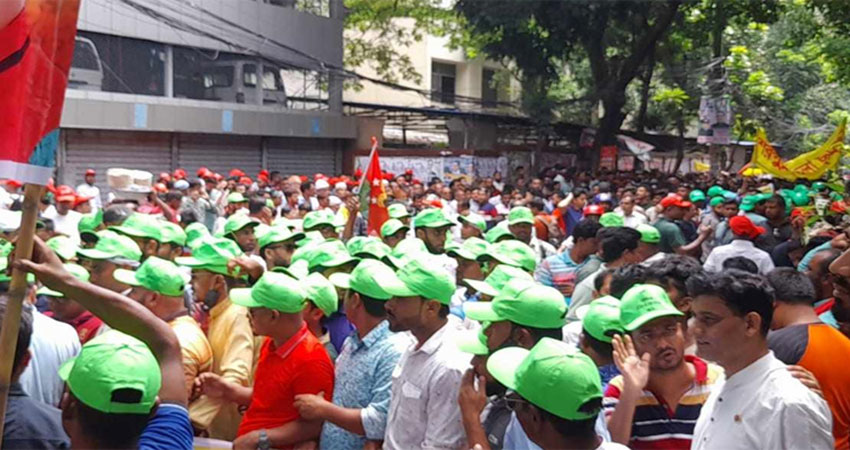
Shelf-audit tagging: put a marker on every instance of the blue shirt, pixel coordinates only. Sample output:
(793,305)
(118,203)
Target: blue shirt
(339,328)
(31,424)
(363,380)
(169,428)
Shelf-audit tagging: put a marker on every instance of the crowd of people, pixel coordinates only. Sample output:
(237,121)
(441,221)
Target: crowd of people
(554,310)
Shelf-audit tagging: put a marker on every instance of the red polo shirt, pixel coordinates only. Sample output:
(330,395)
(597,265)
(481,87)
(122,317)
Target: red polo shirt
(299,366)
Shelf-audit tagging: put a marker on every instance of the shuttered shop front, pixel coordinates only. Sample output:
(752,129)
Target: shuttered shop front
(220,153)
(293,156)
(101,150)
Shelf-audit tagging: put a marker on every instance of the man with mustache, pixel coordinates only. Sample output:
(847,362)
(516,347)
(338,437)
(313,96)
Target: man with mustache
(655,403)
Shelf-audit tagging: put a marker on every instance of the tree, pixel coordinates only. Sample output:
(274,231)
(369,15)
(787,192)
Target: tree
(541,37)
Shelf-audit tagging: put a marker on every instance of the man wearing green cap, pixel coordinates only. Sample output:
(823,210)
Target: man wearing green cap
(600,321)
(240,229)
(363,372)
(158,286)
(112,251)
(277,246)
(552,421)
(322,302)
(423,412)
(648,249)
(228,331)
(431,226)
(399,211)
(144,230)
(123,392)
(291,362)
(472,225)
(172,241)
(393,231)
(658,379)
(521,225)
(321,221)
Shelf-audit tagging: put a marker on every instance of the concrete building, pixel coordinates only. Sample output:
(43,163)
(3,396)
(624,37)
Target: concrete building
(164,84)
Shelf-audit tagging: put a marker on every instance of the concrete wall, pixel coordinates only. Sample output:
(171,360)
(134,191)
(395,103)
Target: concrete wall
(311,34)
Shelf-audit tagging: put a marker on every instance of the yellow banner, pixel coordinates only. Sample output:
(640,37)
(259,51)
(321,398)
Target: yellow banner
(814,164)
(811,165)
(700,166)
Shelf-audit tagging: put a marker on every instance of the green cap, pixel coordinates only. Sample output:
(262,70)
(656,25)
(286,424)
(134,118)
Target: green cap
(173,234)
(371,278)
(90,222)
(470,341)
(715,201)
(321,292)
(714,191)
(276,235)
(392,227)
(111,362)
(310,238)
(297,270)
(63,246)
(79,272)
(425,278)
(236,197)
(330,253)
(5,248)
(601,318)
(497,233)
(514,253)
(611,219)
(356,243)
(819,186)
(212,254)
(748,203)
(397,211)
(111,245)
(141,226)
(374,248)
(520,214)
(315,219)
(431,218)
(237,222)
(522,302)
(273,290)
(643,303)
(649,234)
(799,198)
(550,366)
(408,247)
(697,196)
(471,249)
(155,274)
(194,233)
(497,279)
(474,220)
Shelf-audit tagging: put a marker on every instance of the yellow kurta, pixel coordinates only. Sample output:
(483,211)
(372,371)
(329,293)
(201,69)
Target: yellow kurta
(232,343)
(196,350)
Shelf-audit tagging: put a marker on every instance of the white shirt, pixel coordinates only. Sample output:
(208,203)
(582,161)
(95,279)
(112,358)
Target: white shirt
(423,412)
(763,407)
(633,220)
(738,247)
(88,190)
(67,224)
(52,344)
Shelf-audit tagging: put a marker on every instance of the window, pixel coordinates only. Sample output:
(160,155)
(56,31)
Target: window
(443,82)
(249,75)
(84,56)
(218,76)
(489,91)
(271,79)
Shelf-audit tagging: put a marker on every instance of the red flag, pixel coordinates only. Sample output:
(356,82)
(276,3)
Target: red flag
(372,195)
(36,48)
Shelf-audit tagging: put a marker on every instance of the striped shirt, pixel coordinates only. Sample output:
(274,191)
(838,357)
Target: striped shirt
(657,425)
(558,271)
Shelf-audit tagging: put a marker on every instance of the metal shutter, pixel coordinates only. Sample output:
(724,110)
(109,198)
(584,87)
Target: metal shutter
(101,150)
(219,153)
(294,156)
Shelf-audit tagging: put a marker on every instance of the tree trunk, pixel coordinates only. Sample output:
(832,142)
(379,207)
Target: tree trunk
(609,125)
(644,93)
(680,147)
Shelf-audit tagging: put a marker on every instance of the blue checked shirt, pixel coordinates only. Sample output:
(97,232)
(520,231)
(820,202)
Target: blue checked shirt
(363,380)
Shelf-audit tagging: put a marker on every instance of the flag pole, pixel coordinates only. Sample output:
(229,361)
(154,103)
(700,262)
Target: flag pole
(371,154)
(17,292)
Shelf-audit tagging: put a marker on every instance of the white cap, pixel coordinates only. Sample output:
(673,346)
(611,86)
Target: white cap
(181,185)
(322,184)
(334,200)
(340,185)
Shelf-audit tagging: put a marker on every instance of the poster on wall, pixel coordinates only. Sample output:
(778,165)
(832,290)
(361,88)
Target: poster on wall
(423,168)
(608,157)
(715,119)
(459,168)
(626,163)
(486,167)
